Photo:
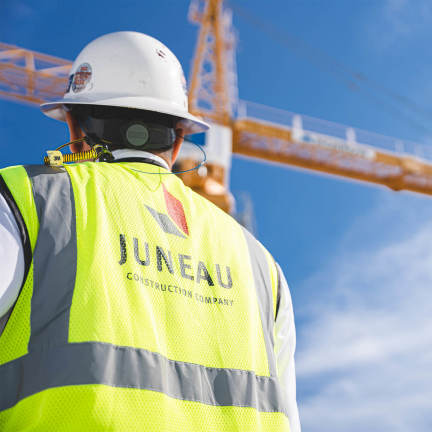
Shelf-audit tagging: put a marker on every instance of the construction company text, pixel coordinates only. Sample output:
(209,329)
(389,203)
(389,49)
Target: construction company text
(187,267)
(173,289)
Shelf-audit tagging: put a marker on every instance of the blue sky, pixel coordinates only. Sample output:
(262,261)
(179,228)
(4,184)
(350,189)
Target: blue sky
(358,258)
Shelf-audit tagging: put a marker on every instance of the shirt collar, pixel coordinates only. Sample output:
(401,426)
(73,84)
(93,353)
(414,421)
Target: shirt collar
(128,153)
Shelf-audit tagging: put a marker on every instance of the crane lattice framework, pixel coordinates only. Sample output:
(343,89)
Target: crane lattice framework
(30,77)
(281,137)
(257,132)
(213,84)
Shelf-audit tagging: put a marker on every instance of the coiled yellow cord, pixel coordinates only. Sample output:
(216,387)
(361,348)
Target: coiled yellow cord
(88,155)
(56,158)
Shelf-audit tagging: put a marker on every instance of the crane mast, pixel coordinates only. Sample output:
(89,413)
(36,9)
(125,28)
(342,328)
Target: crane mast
(213,92)
(213,96)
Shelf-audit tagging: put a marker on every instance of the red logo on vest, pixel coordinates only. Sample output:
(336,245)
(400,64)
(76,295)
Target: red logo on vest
(175,222)
(176,211)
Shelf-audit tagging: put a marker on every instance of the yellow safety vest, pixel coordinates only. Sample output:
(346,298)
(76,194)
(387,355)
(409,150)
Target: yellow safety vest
(145,308)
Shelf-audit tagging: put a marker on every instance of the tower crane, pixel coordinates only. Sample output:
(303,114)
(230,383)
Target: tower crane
(239,127)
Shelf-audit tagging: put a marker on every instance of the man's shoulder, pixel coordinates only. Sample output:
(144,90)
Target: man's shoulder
(30,169)
(211,211)
(13,175)
(11,169)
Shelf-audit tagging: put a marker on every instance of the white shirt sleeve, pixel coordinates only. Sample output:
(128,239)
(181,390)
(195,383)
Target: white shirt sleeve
(11,258)
(285,342)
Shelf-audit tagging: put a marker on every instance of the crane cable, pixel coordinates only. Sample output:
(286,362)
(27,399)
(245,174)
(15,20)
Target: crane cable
(351,78)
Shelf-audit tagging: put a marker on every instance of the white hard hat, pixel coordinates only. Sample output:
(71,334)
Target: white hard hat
(130,70)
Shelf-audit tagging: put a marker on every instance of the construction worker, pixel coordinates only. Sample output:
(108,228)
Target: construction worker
(127,301)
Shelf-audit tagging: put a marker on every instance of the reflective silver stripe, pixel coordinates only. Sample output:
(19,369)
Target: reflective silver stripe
(263,286)
(54,256)
(116,366)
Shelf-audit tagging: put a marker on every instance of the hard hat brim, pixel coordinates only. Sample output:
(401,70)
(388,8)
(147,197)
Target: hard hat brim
(189,123)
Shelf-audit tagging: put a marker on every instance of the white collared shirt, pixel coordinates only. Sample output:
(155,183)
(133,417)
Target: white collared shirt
(126,153)
(12,273)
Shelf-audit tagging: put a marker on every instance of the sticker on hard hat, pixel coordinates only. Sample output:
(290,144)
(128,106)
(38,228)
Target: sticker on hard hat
(79,80)
(160,53)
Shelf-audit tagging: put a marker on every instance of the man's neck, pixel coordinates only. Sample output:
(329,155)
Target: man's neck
(129,153)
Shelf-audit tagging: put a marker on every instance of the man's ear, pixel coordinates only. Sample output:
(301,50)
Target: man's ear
(75,132)
(177,145)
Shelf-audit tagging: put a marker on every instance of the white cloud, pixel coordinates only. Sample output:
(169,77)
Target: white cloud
(24,10)
(394,11)
(366,347)
(396,20)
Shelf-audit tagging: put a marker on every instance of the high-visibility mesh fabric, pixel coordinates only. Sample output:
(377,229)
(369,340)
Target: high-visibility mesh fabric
(15,337)
(154,306)
(101,408)
(180,301)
